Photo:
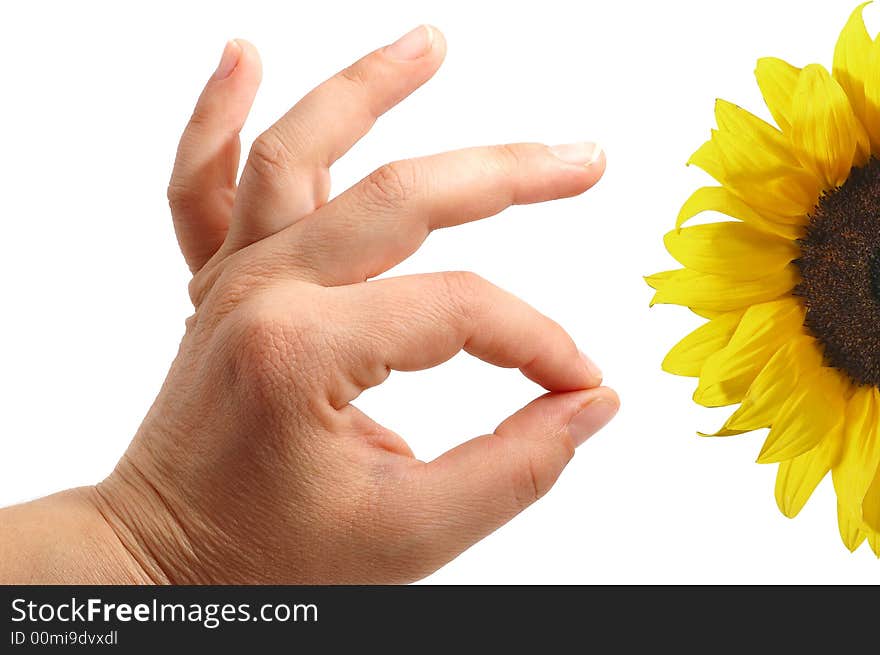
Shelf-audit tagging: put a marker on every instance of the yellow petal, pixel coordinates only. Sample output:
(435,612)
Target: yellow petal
(851,59)
(716,293)
(764,329)
(774,385)
(708,157)
(706,313)
(766,395)
(826,135)
(754,132)
(688,355)
(657,280)
(730,248)
(797,478)
(815,411)
(719,199)
(777,80)
(858,463)
(872,95)
(850,528)
(871,504)
(874,540)
(764,180)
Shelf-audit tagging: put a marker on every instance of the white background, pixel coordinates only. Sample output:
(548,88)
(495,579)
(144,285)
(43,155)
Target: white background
(94,291)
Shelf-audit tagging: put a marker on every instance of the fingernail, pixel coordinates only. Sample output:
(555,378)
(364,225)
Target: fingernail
(228,61)
(591,419)
(583,154)
(594,370)
(412,45)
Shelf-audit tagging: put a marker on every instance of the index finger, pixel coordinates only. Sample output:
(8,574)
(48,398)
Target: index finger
(416,322)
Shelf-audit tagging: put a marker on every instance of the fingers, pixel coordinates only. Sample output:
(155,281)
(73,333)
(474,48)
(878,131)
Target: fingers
(475,488)
(287,175)
(383,219)
(202,185)
(416,322)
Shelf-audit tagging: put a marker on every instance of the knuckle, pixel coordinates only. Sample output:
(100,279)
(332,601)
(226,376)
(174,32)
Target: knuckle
(224,285)
(509,155)
(531,485)
(355,75)
(264,349)
(465,289)
(180,197)
(227,289)
(279,351)
(260,331)
(535,476)
(553,329)
(199,286)
(465,282)
(269,156)
(200,118)
(392,185)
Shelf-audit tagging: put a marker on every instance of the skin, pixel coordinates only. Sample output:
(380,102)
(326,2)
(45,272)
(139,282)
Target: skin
(252,466)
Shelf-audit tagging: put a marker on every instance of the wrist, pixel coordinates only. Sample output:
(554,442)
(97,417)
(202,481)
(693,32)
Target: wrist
(64,539)
(146,526)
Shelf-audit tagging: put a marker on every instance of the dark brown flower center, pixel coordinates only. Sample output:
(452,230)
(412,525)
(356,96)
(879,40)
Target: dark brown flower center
(840,275)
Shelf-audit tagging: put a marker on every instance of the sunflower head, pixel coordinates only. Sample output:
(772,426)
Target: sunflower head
(791,285)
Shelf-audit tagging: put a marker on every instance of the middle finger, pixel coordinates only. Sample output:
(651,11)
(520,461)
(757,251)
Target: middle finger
(383,219)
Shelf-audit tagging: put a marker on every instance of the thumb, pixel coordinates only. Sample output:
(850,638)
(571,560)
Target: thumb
(202,184)
(477,487)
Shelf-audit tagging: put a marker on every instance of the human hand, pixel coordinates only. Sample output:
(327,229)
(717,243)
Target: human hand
(253,466)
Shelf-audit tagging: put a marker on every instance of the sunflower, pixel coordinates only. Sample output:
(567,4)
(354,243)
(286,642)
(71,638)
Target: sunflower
(791,286)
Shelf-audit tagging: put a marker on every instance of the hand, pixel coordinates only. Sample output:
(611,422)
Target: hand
(253,466)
